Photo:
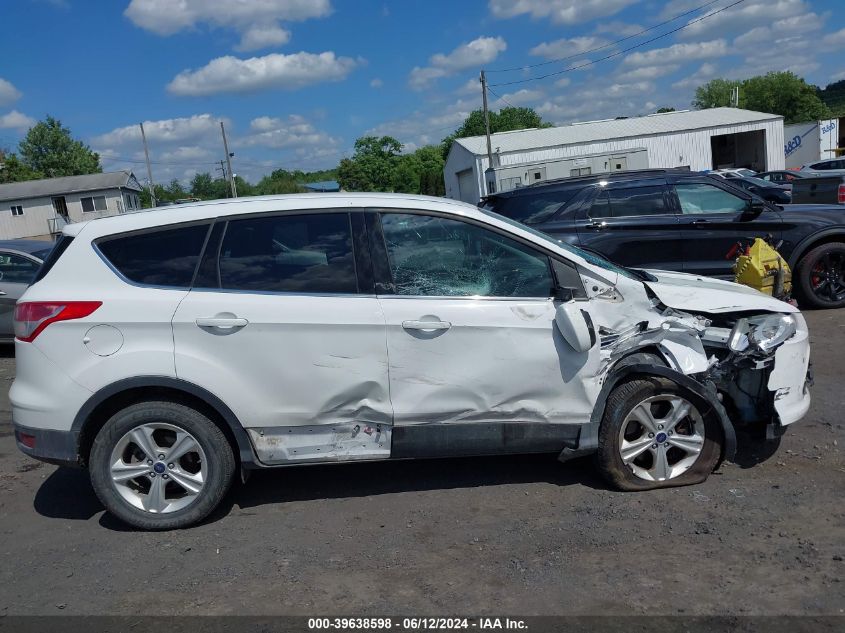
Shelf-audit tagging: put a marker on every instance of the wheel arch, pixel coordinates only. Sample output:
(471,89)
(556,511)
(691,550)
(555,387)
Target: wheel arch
(705,393)
(94,414)
(812,241)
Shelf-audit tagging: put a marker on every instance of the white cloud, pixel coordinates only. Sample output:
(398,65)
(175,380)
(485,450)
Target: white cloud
(15,120)
(835,40)
(678,53)
(650,72)
(518,98)
(560,11)
(567,47)
(476,53)
(376,83)
(621,29)
(291,132)
(700,76)
(181,130)
(8,93)
(232,74)
(263,36)
(257,21)
(742,17)
(563,82)
(471,87)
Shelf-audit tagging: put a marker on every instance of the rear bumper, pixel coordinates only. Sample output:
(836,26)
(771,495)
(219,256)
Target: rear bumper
(48,445)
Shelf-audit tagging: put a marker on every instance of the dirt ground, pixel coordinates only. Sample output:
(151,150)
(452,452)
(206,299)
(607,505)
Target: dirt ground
(518,535)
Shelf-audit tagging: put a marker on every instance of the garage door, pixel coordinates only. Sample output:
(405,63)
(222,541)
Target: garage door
(467,186)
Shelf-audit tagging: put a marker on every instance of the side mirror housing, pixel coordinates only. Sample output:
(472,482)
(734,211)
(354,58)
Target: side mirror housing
(576,326)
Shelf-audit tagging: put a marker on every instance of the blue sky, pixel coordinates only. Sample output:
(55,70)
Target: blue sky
(297,81)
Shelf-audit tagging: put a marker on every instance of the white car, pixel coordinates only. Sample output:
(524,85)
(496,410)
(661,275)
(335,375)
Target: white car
(734,172)
(167,350)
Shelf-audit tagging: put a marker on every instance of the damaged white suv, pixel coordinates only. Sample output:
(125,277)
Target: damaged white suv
(168,350)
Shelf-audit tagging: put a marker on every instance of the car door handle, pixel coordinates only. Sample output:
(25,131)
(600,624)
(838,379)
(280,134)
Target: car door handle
(221,322)
(596,225)
(426,325)
(700,222)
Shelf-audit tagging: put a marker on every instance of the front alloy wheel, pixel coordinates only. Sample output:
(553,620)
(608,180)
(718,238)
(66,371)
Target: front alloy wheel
(655,433)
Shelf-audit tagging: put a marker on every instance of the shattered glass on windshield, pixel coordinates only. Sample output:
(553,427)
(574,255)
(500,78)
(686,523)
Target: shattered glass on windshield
(433,256)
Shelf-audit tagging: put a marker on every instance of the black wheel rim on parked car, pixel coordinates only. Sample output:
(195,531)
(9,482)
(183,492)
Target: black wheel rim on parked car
(827,277)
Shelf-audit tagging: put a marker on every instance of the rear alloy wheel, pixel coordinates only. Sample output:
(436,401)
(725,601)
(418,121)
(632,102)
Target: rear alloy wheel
(656,434)
(160,465)
(821,276)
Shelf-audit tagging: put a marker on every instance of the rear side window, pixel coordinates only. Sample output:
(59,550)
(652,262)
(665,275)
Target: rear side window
(532,209)
(15,269)
(633,201)
(163,257)
(289,253)
(53,256)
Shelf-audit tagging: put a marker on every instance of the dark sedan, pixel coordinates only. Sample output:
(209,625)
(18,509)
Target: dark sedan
(779,194)
(19,261)
(684,221)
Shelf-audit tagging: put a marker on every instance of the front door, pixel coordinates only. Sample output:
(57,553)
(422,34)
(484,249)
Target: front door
(476,364)
(632,226)
(713,220)
(279,327)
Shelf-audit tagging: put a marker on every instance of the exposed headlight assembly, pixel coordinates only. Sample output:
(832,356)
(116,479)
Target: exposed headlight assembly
(762,333)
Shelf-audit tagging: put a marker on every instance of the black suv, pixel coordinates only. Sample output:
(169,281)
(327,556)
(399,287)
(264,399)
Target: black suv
(684,221)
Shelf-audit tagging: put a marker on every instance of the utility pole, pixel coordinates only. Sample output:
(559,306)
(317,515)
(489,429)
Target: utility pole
(149,169)
(489,173)
(486,118)
(228,162)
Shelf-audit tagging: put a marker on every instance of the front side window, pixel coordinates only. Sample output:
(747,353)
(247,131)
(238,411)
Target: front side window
(629,202)
(163,257)
(438,257)
(698,198)
(17,269)
(533,208)
(289,253)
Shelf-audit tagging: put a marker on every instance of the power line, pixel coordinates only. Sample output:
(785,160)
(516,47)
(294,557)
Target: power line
(155,162)
(608,45)
(618,53)
(500,97)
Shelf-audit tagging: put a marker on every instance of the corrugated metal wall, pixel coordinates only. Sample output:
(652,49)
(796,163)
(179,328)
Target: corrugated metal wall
(690,148)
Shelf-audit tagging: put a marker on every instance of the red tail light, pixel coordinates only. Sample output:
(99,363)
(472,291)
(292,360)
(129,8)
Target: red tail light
(841,194)
(33,316)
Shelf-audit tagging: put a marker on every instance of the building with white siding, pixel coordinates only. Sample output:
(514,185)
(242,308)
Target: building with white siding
(40,208)
(698,139)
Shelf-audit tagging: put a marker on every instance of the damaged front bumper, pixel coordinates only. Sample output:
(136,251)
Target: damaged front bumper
(790,378)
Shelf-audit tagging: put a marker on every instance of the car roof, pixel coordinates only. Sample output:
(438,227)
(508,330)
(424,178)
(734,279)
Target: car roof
(209,209)
(579,181)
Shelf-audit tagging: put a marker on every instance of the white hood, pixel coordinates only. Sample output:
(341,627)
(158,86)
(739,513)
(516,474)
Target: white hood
(702,294)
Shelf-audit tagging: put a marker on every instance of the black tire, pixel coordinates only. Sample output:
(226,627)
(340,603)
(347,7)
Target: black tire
(813,292)
(620,403)
(220,463)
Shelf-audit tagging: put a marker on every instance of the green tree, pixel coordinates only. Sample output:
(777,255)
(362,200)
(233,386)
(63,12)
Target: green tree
(505,120)
(834,97)
(372,166)
(175,190)
(663,110)
(13,170)
(49,149)
(406,175)
(280,181)
(783,93)
(202,186)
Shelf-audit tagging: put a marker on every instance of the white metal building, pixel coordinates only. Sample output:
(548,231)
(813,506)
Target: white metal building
(36,208)
(698,139)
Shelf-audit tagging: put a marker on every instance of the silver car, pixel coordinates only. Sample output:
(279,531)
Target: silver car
(828,167)
(19,263)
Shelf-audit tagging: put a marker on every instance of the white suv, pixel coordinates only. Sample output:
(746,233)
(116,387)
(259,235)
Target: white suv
(167,350)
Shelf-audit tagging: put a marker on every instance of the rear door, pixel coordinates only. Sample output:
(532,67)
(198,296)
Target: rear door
(633,225)
(284,327)
(714,217)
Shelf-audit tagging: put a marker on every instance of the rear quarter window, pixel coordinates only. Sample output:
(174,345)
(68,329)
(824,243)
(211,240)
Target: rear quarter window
(161,257)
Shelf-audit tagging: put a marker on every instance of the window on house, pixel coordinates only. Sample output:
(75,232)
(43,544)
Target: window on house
(17,210)
(94,203)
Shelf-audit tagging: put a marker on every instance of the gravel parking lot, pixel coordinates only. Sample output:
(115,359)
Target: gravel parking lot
(520,535)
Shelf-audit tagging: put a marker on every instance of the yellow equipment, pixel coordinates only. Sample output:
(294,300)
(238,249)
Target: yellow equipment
(761,267)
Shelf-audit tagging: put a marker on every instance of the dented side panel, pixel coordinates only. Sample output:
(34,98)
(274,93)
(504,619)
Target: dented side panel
(500,360)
